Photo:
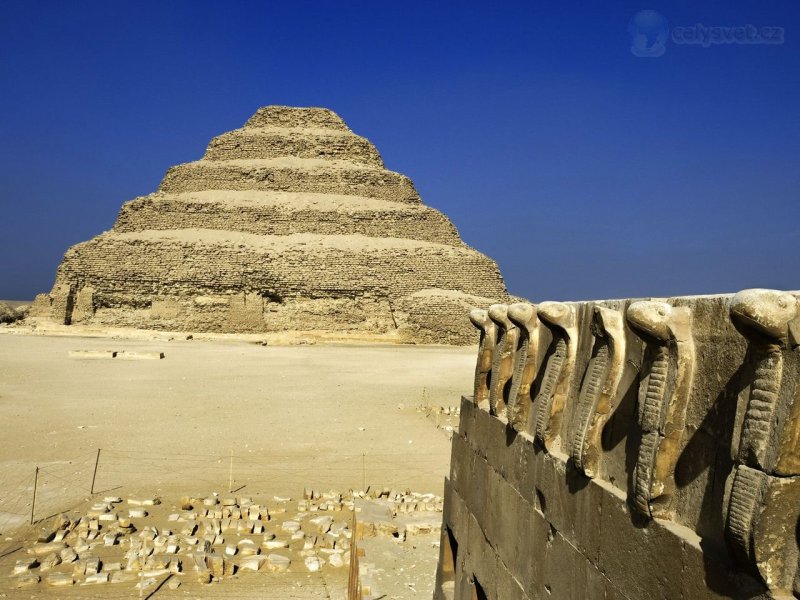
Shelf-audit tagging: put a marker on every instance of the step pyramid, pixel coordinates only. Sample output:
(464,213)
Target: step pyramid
(290,223)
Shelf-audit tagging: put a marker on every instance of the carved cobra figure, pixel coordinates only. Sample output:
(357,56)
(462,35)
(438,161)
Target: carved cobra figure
(598,395)
(524,316)
(768,460)
(502,358)
(483,369)
(663,399)
(554,386)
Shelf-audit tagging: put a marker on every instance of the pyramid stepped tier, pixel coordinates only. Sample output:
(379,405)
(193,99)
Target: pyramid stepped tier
(297,118)
(289,266)
(271,142)
(285,213)
(290,223)
(290,175)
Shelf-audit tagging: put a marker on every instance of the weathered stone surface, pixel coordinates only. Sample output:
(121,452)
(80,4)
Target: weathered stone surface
(599,394)
(277,562)
(526,362)
(502,358)
(663,400)
(480,319)
(289,223)
(554,383)
(598,511)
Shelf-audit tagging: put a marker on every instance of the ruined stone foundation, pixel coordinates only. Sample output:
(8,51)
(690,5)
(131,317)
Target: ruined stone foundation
(629,449)
(290,223)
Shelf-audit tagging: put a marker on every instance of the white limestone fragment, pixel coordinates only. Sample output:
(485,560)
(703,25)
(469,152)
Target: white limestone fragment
(251,563)
(27,580)
(145,583)
(59,579)
(292,526)
(96,578)
(313,563)
(23,566)
(336,560)
(50,561)
(247,547)
(278,562)
(321,524)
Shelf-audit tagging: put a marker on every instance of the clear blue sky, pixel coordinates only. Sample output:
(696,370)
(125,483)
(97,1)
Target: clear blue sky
(584,170)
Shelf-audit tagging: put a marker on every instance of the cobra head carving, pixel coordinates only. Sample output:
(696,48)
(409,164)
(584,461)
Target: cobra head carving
(483,369)
(558,314)
(549,404)
(760,510)
(502,358)
(525,317)
(771,313)
(598,395)
(652,318)
(480,319)
(663,399)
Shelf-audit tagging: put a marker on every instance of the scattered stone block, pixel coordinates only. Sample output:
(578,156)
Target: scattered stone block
(247,547)
(336,560)
(143,584)
(59,580)
(321,524)
(96,578)
(68,555)
(50,561)
(27,580)
(129,355)
(278,562)
(91,354)
(23,566)
(144,502)
(292,526)
(313,563)
(251,563)
(122,577)
(44,549)
(215,564)
(151,573)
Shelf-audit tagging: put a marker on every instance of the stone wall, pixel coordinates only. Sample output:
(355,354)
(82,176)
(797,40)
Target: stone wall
(629,449)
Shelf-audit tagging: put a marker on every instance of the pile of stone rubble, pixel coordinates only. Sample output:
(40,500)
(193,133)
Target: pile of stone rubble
(208,539)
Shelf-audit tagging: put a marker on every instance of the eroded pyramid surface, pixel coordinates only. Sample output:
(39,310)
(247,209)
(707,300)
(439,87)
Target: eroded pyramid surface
(290,223)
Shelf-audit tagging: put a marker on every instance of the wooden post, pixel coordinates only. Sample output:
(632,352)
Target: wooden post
(364,470)
(230,475)
(35,483)
(94,475)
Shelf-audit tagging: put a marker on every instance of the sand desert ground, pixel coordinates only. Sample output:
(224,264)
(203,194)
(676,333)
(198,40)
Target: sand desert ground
(326,416)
